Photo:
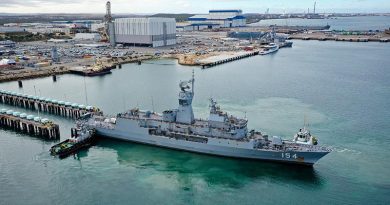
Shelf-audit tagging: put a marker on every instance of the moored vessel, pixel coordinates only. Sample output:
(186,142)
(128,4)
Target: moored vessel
(81,138)
(221,134)
(270,48)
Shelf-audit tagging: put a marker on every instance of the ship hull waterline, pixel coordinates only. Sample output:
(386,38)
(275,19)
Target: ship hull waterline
(304,158)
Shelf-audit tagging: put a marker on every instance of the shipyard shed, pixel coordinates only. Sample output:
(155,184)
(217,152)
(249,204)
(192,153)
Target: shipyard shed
(10,31)
(153,32)
(217,19)
(87,36)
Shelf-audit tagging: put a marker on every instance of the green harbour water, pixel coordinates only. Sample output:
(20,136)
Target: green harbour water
(343,88)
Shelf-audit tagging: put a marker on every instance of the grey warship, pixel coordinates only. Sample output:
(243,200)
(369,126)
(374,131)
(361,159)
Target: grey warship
(221,134)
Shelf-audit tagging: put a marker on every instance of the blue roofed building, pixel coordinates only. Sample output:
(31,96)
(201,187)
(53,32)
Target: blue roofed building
(218,19)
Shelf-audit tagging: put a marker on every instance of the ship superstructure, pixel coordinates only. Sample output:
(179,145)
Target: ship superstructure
(221,134)
(271,48)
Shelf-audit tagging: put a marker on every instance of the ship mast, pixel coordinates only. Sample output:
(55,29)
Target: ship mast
(185,114)
(193,81)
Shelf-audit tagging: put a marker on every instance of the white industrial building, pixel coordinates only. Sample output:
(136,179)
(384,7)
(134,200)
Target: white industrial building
(78,23)
(87,36)
(217,19)
(7,44)
(96,27)
(7,62)
(47,30)
(153,32)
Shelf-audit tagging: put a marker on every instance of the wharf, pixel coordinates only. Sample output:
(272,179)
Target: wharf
(336,37)
(65,68)
(221,59)
(28,124)
(124,60)
(29,74)
(61,108)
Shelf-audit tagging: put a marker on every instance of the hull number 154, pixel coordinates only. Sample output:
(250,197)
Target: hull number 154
(288,155)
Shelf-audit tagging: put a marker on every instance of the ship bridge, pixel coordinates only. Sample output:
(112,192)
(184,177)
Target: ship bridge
(185,114)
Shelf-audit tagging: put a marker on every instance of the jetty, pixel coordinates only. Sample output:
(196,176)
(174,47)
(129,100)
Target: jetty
(326,36)
(29,74)
(47,105)
(218,60)
(29,124)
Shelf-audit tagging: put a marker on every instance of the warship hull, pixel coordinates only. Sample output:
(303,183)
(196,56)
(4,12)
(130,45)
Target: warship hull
(131,131)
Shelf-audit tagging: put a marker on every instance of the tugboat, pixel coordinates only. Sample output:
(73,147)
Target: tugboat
(81,137)
(95,70)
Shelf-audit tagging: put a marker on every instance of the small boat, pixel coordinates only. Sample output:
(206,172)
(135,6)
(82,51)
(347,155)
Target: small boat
(270,48)
(95,72)
(80,138)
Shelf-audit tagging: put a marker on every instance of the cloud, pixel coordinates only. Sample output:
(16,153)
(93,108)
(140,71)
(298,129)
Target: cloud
(189,6)
(35,3)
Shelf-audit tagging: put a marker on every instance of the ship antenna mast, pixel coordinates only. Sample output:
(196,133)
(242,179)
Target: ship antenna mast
(192,81)
(305,122)
(152,104)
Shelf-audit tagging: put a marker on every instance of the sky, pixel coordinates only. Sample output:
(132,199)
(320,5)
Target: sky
(191,6)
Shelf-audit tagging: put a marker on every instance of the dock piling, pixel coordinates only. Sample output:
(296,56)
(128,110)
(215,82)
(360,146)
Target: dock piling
(61,108)
(29,125)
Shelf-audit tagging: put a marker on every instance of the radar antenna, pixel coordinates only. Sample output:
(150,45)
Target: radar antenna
(185,85)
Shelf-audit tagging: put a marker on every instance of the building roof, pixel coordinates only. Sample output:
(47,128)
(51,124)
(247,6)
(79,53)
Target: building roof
(204,17)
(77,21)
(182,24)
(7,61)
(205,24)
(145,19)
(11,30)
(6,42)
(226,11)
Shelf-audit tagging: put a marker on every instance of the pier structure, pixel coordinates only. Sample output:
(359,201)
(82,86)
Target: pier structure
(349,38)
(47,105)
(29,124)
(228,59)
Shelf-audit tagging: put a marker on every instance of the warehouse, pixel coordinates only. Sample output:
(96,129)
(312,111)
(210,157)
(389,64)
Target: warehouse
(153,32)
(217,19)
(7,44)
(11,31)
(87,36)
